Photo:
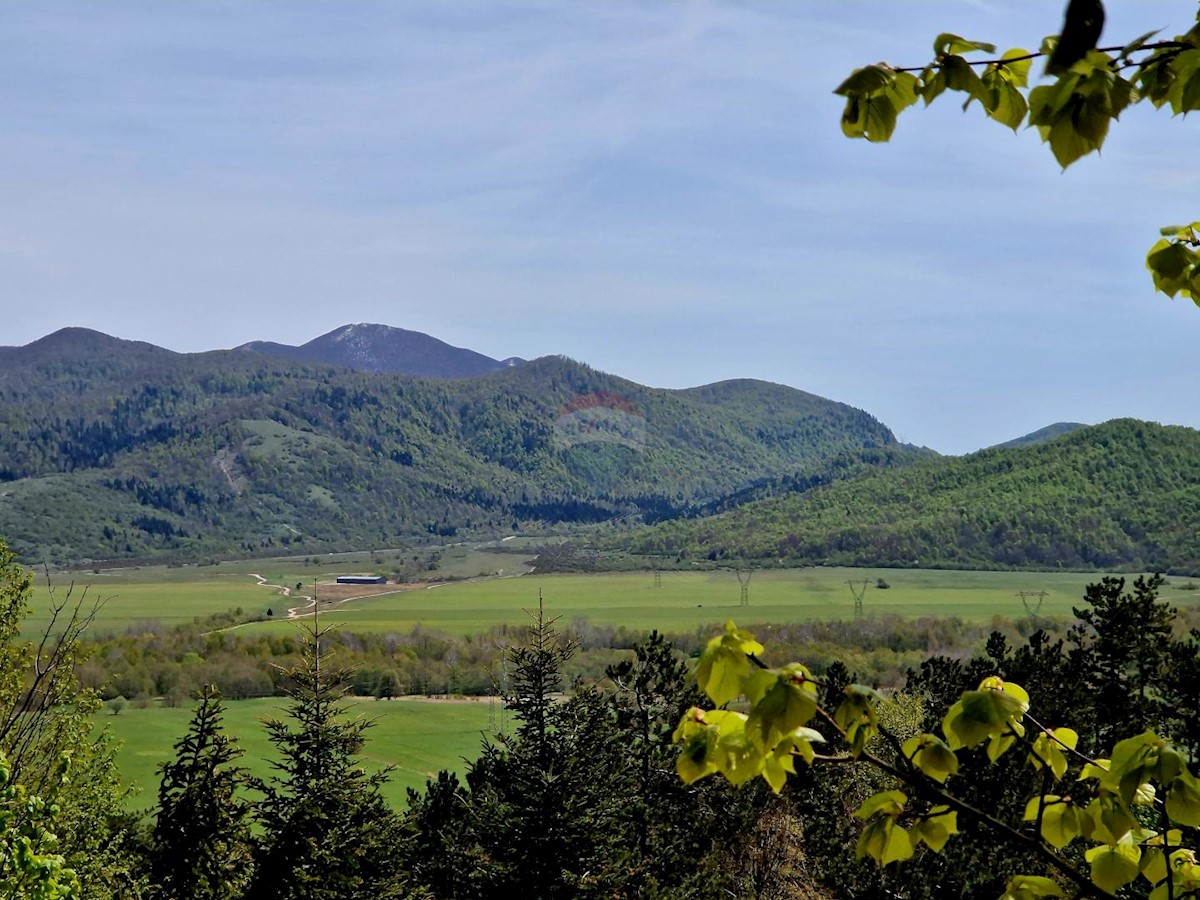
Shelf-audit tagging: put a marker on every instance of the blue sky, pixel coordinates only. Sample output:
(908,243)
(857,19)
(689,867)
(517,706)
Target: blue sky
(660,189)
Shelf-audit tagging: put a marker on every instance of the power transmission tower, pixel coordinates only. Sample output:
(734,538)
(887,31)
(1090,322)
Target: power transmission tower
(743,577)
(1032,609)
(859,589)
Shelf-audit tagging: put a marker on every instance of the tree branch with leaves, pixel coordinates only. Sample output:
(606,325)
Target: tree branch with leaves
(1091,87)
(1129,810)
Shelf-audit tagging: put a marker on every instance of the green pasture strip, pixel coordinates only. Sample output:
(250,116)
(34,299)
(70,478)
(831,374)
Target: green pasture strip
(685,600)
(418,737)
(127,604)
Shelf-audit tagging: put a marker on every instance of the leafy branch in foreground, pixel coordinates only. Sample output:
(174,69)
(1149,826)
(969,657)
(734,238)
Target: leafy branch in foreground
(1130,809)
(1092,86)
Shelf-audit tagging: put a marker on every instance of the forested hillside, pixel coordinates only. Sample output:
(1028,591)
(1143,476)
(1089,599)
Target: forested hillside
(114,449)
(1122,494)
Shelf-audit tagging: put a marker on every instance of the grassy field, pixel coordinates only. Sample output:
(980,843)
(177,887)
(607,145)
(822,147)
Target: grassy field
(681,602)
(686,600)
(418,737)
(176,595)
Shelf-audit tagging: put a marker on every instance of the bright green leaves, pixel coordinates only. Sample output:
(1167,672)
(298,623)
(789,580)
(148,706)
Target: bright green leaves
(781,762)
(946,43)
(935,828)
(1183,800)
(991,713)
(700,733)
(961,77)
(1113,866)
(1174,262)
(782,700)
(882,839)
(875,96)
(1171,76)
(931,755)
(718,741)
(724,664)
(855,715)
(1185,874)
(1062,820)
(1138,759)
(768,740)
(1073,114)
(1049,749)
(1030,887)
(885,841)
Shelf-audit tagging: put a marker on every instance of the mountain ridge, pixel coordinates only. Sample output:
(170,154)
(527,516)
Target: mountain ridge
(112,449)
(368,347)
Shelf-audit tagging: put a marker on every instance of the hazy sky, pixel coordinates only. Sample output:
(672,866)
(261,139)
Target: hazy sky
(660,189)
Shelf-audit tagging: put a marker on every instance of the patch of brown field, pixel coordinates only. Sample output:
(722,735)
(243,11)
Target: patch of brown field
(329,591)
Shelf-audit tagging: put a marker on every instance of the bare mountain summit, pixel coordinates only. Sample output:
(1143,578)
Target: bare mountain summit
(381,348)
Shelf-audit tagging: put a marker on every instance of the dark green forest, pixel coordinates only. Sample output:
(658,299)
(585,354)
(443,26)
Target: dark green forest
(1123,495)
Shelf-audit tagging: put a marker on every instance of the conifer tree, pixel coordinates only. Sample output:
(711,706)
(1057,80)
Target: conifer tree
(200,846)
(328,833)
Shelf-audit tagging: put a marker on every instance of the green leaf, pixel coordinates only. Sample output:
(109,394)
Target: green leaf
(872,117)
(1030,887)
(884,841)
(699,741)
(1016,71)
(1001,743)
(1121,94)
(903,90)
(1049,747)
(932,85)
(1008,106)
(1154,862)
(855,715)
(984,713)
(1183,800)
(935,828)
(724,664)
(961,77)
(1066,142)
(931,755)
(1133,761)
(713,741)
(782,761)
(1138,43)
(790,701)
(1181,94)
(1062,820)
(881,839)
(1189,98)
(1110,819)
(866,80)
(888,803)
(952,43)
(735,756)
(1113,866)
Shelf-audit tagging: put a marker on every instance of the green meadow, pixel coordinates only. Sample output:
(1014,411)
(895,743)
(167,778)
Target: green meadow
(417,737)
(683,601)
(680,601)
